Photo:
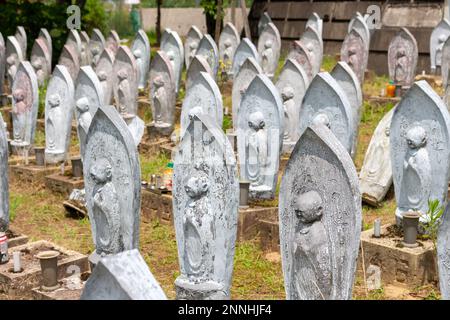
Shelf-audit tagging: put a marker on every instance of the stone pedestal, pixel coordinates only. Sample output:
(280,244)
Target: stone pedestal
(63,184)
(15,239)
(159,133)
(210,290)
(383,100)
(32,173)
(156,206)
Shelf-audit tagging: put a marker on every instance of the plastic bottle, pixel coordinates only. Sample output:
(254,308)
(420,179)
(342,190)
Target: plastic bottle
(167,176)
(390,90)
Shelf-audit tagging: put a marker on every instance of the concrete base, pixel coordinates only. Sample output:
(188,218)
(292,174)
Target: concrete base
(250,222)
(19,284)
(15,239)
(383,100)
(63,184)
(70,288)
(187,290)
(159,133)
(399,265)
(32,173)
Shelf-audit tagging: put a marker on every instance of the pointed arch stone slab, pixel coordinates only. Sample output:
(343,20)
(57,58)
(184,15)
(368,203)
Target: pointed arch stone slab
(14,56)
(59,110)
(124,82)
(205,206)
(301,55)
(112,181)
(420,150)
(246,49)
(45,35)
(173,47)
(112,41)
(403,55)
(319,252)
(141,51)
(41,61)
(2,63)
(104,72)
(355,54)
(208,49)
(85,56)
(359,23)
(74,40)
(316,23)
(69,58)
(263,22)
(198,64)
(438,38)
(21,36)
(228,43)
(312,42)
(193,38)
(269,47)
(4,182)
(96,45)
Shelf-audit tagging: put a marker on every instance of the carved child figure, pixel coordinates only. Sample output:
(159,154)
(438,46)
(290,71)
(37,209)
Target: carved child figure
(138,55)
(106,211)
(290,113)
(19,113)
(123,91)
(160,100)
(12,69)
(84,116)
(38,68)
(267,56)
(192,50)
(256,149)
(441,41)
(54,118)
(321,118)
(377,159)
(199,232)
(312,264)
(228,53)
(401,66)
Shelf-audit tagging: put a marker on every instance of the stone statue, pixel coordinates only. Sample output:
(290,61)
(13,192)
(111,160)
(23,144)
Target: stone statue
(125,82)
(438,37)
(260,134)
(112,183)
(193,38)
(419,150)
(315,22)
(70,59)
(207,48)
(312,41)
(246,49)
(141,51)
(86,56)
(14,56)
(84,121)
(4,182)
(112,41)
(443,255)
(162,93)
(403,54)
(41,61)
(302,55)
(269,46)
(96,45)
(445,65)
(74,41)
(205,206)
(359,23)
(45,35)
(198,64)
(2,64)
(123,276)
(21,37)
(228,43)
(292,84)
(104,71)
(264,20)
(173,47)
(320,219)
(25,103)
(355,53)
(375,177)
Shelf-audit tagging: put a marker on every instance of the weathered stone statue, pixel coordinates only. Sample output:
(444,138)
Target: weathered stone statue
(355,53)
(326,103)
(70,59)
(359,23)
(104,71)
(320,219)
(443,255)
(173,47)
(269,46)
(123,276)
(2,63)
(312,41)
(112,182)
(44,35)
(96,45)
(202,97)
(302,56)
(246,49)
(403,54)
(260,136)
(112,41)
(162,93)
(125,82)
(445,66)
(228,43)
(198,64)
(263,22)
(349,83)
(59,103)
(4,182)
(14,56)
(21,37)
(207,48)
(41,61)
(88,98)
(315,22)
(292,84)
(438,37)
(205,203)
(247,72)
(86,56)
(25,101)
(420,150)
(193,38)
(74,41)
(375,177)
(141,52)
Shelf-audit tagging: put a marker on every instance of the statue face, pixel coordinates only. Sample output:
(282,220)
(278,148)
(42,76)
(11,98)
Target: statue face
(95,50)
(37,64)
(82,105)
(227,43)
(54,100)
(170,55)
(308,207)
(322,119)
(137,53)
(101,172)
(442,38)
(193,46)
(256,121)
(11,59)
(287,93)
(19,95)
(122,74)
(268,44)
(196,187)
(102,75)
(158,82)
(416,137)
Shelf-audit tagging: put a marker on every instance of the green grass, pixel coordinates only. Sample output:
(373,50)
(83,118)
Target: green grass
(154,165)
(227,122)
(328,63)
(39,140)
(15,200)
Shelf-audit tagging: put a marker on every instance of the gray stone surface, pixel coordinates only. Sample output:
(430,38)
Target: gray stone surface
(375,177)
(438,37)
(355,53)
(21,36)
(59,110)
(70,59)
(96,45)
(205,209)
(228,43)
(326,103)
(316,23)
(247,72)
(141,51)
(260,136)
(202,97)
(443,254)
(445,67)
(359,23)
(74,40)
(198,64)
(41,60)
(85,56)
(173,47)
(4,182)
(112,180)
(320,219)
(403,54)
(125,82)
(208,49)
(162,93)
(104,71)
(301,55)
(25,102)
(246,49)
(291,84)
(349,83)
(312,41)
(88,98)
(193,38)
(420,150)
(45,35)
(123,276)
(112,41)
(263,22)
(269,46)
(2,63)
(14,56)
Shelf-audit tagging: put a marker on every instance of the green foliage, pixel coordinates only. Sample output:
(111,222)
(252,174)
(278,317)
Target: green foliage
(39,139)
(121,22)
(153,165)
(42,94)
(227,122)
(328,63)
(183,3)
(15,200)
(151,34)
(433,217)
(93,16)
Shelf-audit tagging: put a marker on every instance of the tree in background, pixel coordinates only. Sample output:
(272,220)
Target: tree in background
(94,16)
(211,14)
